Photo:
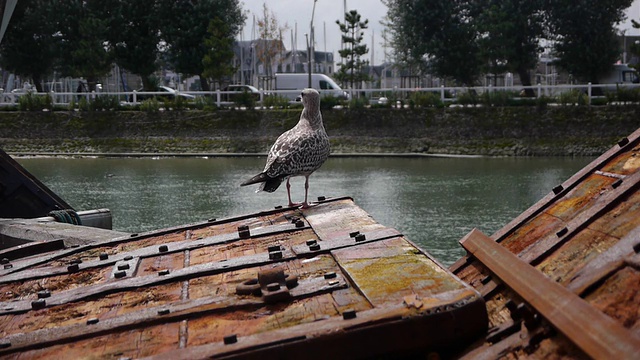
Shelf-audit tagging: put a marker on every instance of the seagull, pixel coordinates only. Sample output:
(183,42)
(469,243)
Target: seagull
(297,152)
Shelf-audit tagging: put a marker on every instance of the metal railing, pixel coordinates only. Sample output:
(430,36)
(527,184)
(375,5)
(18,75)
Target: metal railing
(447,94)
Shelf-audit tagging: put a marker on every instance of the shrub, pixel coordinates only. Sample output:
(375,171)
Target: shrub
(276,101)
(104,102)
(150,105)
(573,97)
(469,97)
(205,103)
(329,101)
(245,99)
(425,99)
(33,102)
(497,98)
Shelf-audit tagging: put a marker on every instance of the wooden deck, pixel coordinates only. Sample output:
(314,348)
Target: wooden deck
(326,282)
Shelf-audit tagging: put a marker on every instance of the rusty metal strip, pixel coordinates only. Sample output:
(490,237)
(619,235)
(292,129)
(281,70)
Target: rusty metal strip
(32,248)
(150,251)
(132,283)
(185,309)
(321,247)
(605,264)
(595,333)
(604,203)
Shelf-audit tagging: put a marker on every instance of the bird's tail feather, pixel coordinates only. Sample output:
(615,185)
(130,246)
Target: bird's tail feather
(269,184)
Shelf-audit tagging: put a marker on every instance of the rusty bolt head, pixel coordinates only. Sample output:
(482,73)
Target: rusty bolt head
(163,272)
(299,223)
(92,321)
(123,267)
(44,294)
(275,255)
(163,248)
(354,234)
(38,304)
(230,339)
(360,237)
(128,257)
(636,248)
(562,232)
(273,287)
(133,235)
(314,247)
(244,232)
(311,242)
(330,275)
(293,219)
(623,142)
(349,314)
(8,266)
(4,261)
(73,268)
(558,189)
(278,207)
(104,256)
(5,344)
(75,261)
(616,183)
(321,198)
(211,220)
(273,248)
(120,274)
(163,311)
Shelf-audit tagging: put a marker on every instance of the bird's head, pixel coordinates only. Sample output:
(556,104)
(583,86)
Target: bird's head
(310,99)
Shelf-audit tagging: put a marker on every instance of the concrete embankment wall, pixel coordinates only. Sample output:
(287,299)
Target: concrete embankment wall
(521,131)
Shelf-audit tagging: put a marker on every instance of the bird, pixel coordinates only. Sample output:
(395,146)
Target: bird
(297,152)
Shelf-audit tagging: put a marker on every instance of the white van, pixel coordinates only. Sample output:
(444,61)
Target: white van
(620,74)
(291,84)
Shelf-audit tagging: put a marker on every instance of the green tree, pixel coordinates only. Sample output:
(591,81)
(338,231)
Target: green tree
(187,29)
(352,64)
(134,35)
(438,34)
(217,61)
(84,50)
(509,36)
(29,46)
(584,35)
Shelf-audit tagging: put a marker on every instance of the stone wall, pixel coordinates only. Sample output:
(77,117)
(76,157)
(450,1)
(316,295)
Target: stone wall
(523,131)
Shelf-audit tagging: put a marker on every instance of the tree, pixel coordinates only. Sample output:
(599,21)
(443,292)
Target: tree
(351,68)
(270,35)
(29,47)
(437,34)
(84,50)
(187,30)
(509,36)
(584,35)
(217,61)
(134,35)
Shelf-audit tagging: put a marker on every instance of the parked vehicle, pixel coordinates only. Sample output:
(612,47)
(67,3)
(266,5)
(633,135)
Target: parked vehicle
(232,92)
(163,92)
(620,74)
(321,82)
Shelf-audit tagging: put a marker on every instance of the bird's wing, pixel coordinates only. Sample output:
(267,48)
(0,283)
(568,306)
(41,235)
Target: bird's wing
(286,153)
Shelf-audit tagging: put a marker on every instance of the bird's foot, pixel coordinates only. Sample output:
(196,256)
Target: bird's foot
(292,204)
(306,205)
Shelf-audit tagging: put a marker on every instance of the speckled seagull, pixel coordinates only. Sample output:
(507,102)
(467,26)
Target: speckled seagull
(297,152)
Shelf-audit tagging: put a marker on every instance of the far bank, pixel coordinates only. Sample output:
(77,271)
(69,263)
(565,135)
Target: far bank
(493,131)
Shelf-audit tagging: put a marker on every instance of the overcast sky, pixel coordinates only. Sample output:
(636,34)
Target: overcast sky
(297,13)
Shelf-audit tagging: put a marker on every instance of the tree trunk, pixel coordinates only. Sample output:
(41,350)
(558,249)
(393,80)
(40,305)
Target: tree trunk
(525,79)
(204,84)
(37,82)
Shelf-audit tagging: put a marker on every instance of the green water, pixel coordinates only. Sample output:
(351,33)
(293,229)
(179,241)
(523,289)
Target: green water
(433,201)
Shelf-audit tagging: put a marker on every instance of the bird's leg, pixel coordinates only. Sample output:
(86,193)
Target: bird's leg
(305,204)
(291,203)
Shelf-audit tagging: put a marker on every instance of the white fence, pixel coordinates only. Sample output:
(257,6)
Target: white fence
(447,94)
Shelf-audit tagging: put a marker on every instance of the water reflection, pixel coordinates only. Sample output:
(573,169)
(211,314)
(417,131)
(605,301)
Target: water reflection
(434,201)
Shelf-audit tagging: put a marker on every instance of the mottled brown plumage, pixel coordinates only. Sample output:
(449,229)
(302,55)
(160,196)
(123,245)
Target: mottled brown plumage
(297,152)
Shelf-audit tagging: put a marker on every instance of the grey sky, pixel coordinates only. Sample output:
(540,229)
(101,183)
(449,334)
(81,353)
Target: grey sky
(298,13)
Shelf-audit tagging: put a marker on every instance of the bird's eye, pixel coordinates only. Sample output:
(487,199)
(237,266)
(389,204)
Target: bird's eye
(302,94)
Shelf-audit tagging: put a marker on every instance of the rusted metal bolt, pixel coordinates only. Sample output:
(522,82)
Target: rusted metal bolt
(123,267)
(75,261)
(273,248)
(278,207)
(294,219)
(354,234)
(274,255)
(243,232)
(8,266)
(636,248)
(73,268)
(623,142)
(103,256)
(360,237)
(349,314)
(163,248)
(211,220)
(133,235)
(92,321)
(230,339)
(330,275)
(5,344)
(38,304)
(299,223)
(616,183)
(163,272)
(485,280)
(128,257)
(562,232)
(311,242)
(4,261)
(273,287)
(334,282)
(314,247)
(120,274)
(44,294)
(558,189)
(163,311)
(321,198)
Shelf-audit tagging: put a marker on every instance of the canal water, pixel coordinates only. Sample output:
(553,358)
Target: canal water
(433,201)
